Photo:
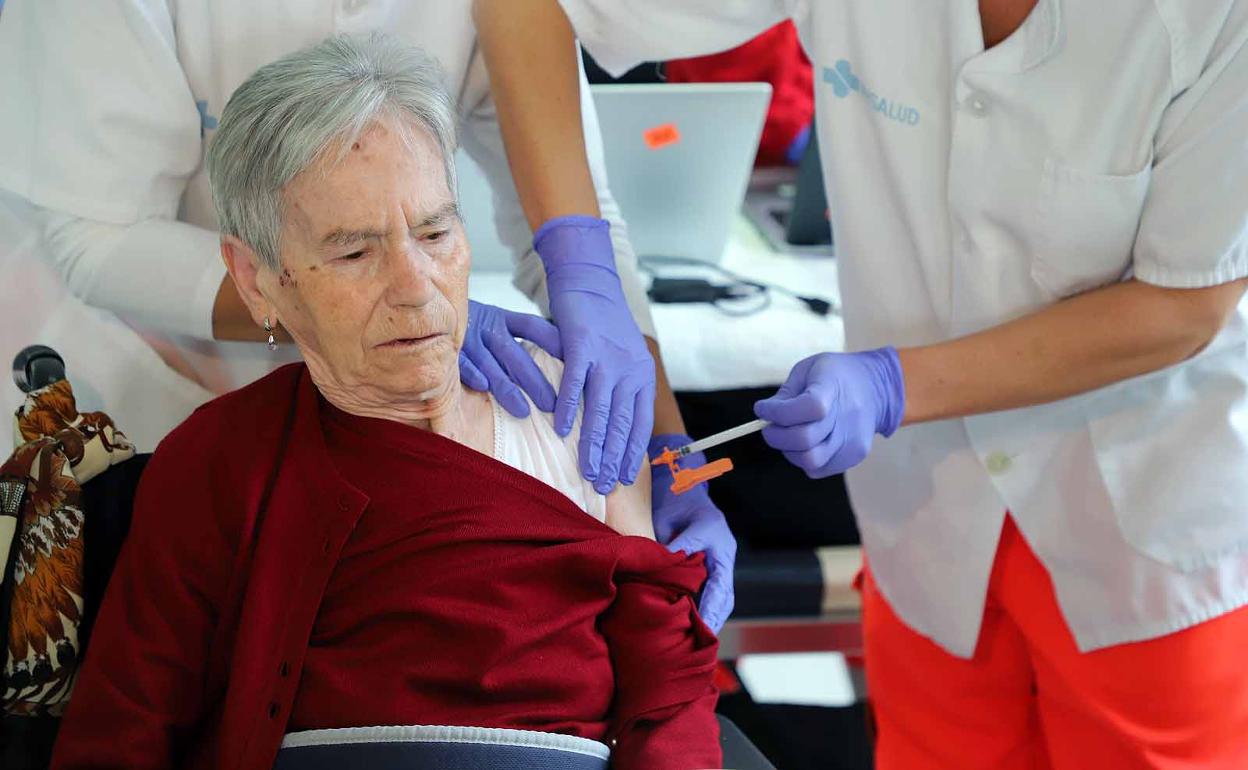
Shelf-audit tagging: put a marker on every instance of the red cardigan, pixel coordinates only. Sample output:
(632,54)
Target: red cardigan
(196,657)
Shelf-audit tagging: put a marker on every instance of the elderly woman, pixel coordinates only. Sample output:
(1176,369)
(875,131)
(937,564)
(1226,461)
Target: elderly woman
(358,540)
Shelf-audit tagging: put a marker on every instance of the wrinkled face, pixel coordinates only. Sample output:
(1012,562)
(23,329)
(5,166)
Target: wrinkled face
(374,279)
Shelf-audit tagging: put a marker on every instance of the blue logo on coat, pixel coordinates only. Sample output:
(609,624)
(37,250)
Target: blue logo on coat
(206,122)
(844,82)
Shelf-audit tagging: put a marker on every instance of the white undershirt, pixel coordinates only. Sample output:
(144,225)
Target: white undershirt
(530,444)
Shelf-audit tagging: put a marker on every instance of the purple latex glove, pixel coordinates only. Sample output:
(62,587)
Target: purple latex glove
(793,155)
(690,522)
(826,414)
(492,360)
(604,354)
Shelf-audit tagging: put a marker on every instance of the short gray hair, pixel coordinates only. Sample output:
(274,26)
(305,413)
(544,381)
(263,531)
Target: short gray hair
(289,112)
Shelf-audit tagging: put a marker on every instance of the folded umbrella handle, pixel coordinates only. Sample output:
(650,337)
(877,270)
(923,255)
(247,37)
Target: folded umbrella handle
(37,366)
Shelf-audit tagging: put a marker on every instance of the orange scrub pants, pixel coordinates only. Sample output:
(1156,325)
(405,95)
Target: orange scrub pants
(1029,699)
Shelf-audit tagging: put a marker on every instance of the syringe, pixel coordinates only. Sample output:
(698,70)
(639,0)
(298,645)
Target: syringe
(722,437)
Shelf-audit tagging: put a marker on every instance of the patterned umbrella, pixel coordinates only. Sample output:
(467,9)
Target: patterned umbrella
(41,543)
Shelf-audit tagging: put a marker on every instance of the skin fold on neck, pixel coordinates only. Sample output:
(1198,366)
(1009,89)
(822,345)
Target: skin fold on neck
(453,412)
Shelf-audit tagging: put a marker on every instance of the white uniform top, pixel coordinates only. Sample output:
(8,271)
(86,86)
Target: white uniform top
(1103,138)
(105,107)
(530,444)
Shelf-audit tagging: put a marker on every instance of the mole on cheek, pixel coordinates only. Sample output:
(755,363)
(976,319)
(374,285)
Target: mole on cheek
(286,279)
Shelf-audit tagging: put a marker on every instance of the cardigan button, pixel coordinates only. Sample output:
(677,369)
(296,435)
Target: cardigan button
(274,710)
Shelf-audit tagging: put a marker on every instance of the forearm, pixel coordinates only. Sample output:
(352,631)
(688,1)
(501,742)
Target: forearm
(158,274)
(531,55)
(140,691)
(663,713)
(681,736)
(667,417)
(1077,345)
(231,320)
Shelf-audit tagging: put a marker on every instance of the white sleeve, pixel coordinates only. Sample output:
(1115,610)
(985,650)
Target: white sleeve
(156,273)
(96,117)
(567,479)
(1194,228)
(483,141)
(621,34)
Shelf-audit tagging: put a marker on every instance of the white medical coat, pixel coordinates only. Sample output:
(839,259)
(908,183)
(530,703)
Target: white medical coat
(1102,139)
(105,109)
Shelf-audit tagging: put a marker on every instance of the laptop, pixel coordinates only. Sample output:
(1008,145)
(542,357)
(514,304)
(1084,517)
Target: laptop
(678,161)
(790,207)
(476,205)
(679,157)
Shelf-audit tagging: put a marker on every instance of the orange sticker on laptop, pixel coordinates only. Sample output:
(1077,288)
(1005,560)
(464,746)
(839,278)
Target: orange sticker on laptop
(661,136)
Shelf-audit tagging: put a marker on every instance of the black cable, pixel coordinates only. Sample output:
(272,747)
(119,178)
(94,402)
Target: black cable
(816,305)
(726,298)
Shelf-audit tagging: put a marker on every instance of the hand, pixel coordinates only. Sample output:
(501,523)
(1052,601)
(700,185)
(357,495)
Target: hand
(690,522)
(826,414)
(604,353)
(492,360)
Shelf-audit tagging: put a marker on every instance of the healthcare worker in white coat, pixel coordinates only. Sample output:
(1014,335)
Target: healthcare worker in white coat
(1041,211)
(105,109)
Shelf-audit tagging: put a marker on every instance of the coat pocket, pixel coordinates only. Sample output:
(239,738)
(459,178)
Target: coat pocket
(1170,448)
(1088,224)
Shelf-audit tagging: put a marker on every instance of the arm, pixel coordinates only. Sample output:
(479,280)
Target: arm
(158,273)
(534,76)
(529,49)
(1074,346)
(1190,273)
(826,414)
(105,146)
(623,33)
(606,356)
(663,709)
(482,138)
(141,692)
(1188,281)
(534,79)
(231,320)
(628,507)
(667,417)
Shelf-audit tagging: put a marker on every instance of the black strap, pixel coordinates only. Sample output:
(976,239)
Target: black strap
(13,492)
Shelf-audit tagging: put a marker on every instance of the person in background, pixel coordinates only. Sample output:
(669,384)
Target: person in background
(107,109)
(1041,209)
(774,57)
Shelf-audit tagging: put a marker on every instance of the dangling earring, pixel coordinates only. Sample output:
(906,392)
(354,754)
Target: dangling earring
(269,328)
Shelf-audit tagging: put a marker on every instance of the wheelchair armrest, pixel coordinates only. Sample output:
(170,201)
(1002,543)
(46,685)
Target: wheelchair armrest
(739,752)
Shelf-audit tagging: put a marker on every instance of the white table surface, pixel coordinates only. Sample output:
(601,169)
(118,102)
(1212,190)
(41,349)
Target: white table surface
(705,349)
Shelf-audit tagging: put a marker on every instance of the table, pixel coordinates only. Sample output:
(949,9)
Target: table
(705,349)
